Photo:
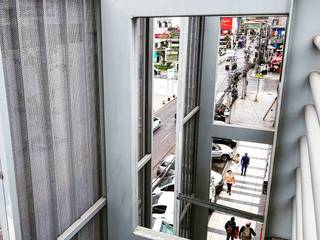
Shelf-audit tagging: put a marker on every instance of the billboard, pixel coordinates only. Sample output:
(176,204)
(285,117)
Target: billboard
(226,24)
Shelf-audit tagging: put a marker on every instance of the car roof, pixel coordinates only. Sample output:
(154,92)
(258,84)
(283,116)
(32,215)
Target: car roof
(169,158)
(166,198)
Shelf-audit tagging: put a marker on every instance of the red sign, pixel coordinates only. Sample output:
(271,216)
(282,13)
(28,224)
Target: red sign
(226,23)
(161,35)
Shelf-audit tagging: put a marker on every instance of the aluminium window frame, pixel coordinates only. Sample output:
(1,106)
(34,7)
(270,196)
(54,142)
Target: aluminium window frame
(211,129)
(122,51)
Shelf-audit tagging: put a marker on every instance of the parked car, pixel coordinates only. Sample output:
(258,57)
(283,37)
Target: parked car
(217,179)
(226,141)
(167,185)
(161,225)
(165,163)
(162,206)
(156,124)
(231,63)
(221,151)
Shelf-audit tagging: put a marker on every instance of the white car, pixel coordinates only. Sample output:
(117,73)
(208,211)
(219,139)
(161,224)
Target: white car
(161,225)
(168,160)
(167,185)
(162,206)
(217,180)
(156,123)
(221,151)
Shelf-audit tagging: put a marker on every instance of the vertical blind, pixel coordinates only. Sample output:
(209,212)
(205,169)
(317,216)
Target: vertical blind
(49,50)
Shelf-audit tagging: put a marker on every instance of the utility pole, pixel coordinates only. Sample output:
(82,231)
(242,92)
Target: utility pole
(246,68)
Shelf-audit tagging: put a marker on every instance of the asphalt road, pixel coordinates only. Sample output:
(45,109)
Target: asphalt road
(164,139)
(269,85)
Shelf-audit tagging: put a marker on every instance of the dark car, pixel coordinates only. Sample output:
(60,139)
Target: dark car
(229,142)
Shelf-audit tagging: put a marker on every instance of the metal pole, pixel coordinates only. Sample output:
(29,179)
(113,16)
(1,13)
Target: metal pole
(299,205)
(313,135)
(309,223)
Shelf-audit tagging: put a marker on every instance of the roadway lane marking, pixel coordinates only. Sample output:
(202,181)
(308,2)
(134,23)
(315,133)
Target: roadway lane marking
(163,139)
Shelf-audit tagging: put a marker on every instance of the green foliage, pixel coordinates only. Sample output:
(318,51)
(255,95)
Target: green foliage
(163,67)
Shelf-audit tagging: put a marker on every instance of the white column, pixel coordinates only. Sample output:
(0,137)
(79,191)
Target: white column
(299,221)
(309,222)
(314,80)
(294,219)
(316,41)
(313,135)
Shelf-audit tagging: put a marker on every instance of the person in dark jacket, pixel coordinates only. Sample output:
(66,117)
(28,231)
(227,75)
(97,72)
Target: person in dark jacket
(245,160)
(230,227)
(246,232)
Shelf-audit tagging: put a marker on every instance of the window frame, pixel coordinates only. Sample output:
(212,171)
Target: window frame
(124,13)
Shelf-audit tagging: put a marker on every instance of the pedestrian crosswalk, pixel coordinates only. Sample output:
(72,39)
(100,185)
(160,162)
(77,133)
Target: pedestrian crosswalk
(246,194)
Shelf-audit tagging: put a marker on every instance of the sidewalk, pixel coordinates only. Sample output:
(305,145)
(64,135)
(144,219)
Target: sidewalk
(246,193)
(248,112)
(162,89)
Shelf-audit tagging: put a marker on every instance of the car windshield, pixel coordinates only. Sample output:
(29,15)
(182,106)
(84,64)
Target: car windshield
(215,147)
(166,181)
(155,198)
(164,163)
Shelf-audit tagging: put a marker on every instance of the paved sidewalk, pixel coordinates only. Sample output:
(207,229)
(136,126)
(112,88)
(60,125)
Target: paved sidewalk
(162,89)
(249,113)
(246,193)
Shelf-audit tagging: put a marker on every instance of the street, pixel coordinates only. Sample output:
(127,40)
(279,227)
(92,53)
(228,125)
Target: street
(268,85)
(164,139)
(252,111)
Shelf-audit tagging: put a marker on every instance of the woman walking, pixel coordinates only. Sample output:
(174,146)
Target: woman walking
(230,180)
(236,163)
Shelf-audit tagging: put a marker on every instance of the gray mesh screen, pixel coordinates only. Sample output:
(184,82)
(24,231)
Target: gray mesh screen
(49,51)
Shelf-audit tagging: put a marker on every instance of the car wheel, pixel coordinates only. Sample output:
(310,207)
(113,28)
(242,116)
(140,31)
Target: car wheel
(224,157)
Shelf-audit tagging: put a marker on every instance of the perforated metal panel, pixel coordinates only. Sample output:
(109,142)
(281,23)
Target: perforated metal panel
(50,60)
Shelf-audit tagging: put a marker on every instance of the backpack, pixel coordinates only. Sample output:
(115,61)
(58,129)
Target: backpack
(246,234)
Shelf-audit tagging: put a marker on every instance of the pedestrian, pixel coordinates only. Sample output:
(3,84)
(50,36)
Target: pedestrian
(212,190)
(230,180)
(245,160)
(246,232)
(230,227)
(235,163)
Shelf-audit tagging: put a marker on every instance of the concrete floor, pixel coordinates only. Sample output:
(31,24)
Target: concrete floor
(246,193)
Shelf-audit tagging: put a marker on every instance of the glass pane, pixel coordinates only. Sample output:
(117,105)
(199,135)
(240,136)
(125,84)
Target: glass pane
(166,46)
(239,180)
(249,67)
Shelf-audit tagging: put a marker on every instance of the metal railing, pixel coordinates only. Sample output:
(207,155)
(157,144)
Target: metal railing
(306,204)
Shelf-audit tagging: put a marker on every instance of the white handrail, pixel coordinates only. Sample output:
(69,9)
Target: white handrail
(316,41)
(314,80)
(299,222)
(294,219)
(309,222)
(313,136)
(83,220)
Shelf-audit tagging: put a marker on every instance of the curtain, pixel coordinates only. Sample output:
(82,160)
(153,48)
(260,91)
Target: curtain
(49,51)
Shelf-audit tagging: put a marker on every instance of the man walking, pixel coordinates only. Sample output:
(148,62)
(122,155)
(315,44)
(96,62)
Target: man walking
(230,227)
(245,160)
(246,232)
